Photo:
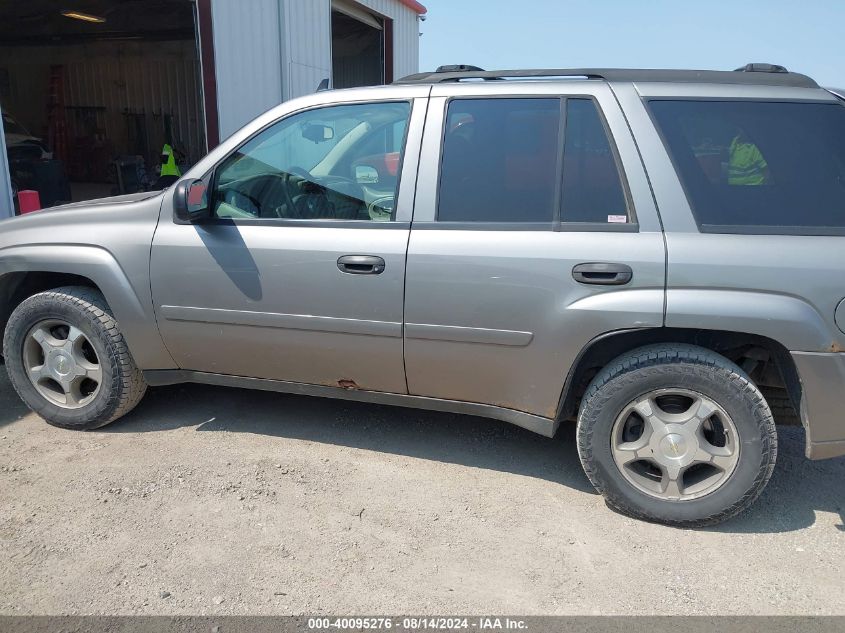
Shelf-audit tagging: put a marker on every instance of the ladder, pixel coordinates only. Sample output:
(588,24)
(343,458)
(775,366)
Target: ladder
(57,135)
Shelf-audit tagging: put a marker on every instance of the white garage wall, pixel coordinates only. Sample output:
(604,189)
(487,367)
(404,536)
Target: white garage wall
(307,47)
(247,60)
(269,51)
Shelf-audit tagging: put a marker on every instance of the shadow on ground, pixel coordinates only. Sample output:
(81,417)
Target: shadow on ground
(12,407)
(799,488)
(459,439)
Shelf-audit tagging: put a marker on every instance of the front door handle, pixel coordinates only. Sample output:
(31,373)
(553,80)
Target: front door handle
(361,265)
(603,274)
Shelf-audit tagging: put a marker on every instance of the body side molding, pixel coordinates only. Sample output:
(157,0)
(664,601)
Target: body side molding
(461,334)
(282,321)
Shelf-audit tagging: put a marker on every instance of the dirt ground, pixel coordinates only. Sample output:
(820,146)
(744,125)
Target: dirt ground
(220,501)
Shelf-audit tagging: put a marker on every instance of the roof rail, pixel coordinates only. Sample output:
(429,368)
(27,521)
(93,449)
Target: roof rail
(752,74)
(762,68)
(458,68)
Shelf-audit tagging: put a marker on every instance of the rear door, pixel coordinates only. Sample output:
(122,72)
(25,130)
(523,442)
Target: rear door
(534,233)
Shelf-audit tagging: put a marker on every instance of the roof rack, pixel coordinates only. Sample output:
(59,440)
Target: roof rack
(750,74)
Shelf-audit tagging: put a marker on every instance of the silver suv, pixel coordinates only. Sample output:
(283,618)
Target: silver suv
(657,255)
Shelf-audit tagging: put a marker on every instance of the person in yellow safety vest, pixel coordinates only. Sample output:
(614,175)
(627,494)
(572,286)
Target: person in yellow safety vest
(169,169)
(746,165)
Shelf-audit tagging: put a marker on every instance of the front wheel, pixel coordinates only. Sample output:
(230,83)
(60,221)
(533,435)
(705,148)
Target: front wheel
(676,434)
(68,361)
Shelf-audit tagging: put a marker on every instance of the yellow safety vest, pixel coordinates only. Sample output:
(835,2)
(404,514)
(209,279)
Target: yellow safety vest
(746,165)
(169,167)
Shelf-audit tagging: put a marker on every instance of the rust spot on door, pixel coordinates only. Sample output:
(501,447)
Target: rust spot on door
(345,383)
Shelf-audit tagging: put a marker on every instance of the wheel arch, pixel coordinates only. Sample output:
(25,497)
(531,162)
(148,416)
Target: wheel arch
(764,359)
(30,269)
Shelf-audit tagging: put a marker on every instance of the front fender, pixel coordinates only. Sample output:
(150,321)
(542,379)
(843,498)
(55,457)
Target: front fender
(128,298)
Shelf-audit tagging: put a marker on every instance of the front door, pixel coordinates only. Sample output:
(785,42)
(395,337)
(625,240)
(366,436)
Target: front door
(299,274)
(534,233)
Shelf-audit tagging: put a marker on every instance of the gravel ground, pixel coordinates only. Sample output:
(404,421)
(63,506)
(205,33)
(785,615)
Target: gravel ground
(221,501)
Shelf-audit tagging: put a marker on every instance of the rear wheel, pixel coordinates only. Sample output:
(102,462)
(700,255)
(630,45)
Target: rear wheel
(676,434)
(68,361)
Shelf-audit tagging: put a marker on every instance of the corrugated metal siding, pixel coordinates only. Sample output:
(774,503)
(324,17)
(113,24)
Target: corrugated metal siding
(308,41)
(247,50)
(268,51)
(307,46)
(104,82)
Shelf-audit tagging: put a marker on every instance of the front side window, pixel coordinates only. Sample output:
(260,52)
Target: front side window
(334,163)
(758,165)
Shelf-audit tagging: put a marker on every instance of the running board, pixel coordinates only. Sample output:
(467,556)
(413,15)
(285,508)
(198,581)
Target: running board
(535,423)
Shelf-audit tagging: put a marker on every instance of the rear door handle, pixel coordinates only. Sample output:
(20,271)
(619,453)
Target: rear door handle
(603,274)
(361,265)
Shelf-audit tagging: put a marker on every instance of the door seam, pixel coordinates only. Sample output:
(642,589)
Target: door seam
(408,242)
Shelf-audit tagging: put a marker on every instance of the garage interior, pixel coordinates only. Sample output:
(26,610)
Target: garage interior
(101,85)
(360,46)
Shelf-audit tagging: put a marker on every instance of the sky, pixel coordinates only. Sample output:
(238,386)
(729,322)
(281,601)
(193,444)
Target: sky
(806,36)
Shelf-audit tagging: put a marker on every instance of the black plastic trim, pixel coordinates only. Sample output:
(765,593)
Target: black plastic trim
(811,231)
(315,224)
(796,80)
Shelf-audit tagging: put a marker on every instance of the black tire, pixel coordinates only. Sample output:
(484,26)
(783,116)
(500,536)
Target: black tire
(666,366)
(122,385)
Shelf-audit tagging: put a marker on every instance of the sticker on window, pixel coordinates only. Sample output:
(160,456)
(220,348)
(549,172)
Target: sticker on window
(617,219)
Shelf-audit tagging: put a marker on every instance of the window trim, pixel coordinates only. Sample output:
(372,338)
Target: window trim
(557,224)
(549,227)
(737,229)
(212,174)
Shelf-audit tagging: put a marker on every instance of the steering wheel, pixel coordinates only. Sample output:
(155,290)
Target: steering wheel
(231,196)
(301,172)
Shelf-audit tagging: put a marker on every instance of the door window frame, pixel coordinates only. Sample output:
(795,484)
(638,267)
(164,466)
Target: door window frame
(402,217)
(557,224)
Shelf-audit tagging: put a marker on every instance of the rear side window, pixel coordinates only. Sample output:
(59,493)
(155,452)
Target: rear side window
(592,190)
(758,167)
(505,161)
(500,161)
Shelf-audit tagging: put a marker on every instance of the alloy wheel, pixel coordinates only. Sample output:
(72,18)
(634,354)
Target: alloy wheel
(675,444)
(61,364)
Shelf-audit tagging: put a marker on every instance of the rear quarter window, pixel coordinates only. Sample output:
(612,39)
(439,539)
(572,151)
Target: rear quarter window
(756,166)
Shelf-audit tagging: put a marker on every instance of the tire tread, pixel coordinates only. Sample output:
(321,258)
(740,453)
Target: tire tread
(686,358)
(89,301)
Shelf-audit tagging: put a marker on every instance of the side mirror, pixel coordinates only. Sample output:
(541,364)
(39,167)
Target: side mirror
(190,201)
(366,175)
(317,132)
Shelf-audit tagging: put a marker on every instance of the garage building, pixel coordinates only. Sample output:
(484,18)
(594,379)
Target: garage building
(92,90)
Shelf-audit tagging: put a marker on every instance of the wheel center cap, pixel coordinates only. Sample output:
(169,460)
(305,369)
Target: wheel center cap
(674,446)
(62,365)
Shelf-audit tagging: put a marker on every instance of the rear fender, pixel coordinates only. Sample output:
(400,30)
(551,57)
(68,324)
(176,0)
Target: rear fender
(793,323)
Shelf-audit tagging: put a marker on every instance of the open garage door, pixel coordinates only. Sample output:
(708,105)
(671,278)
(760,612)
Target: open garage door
(361,42)
(93,90)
